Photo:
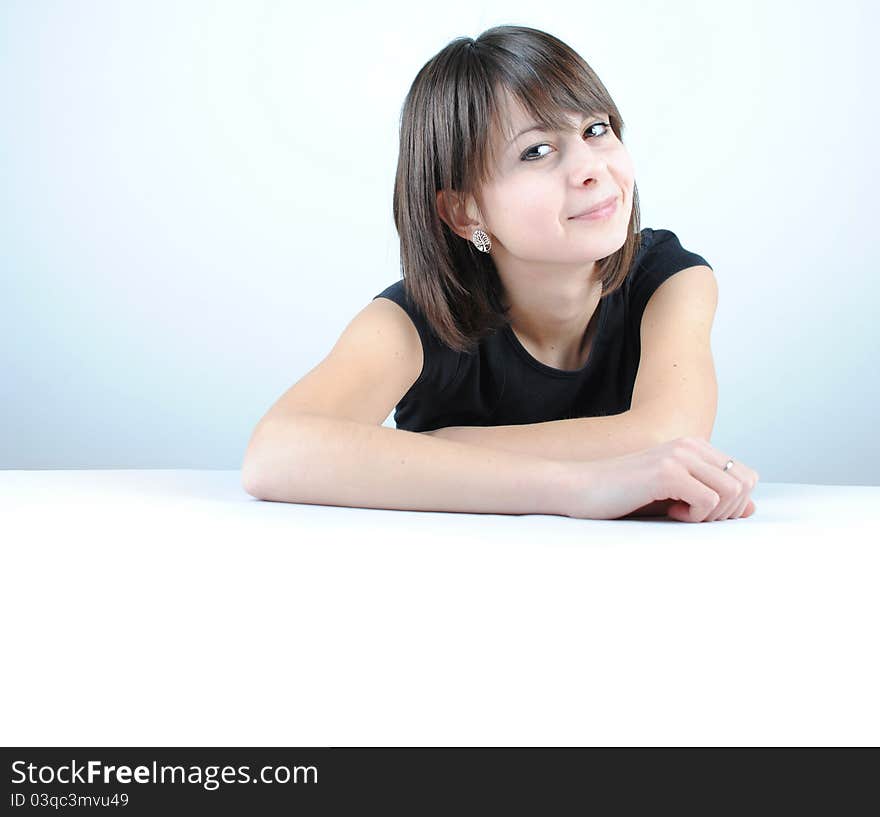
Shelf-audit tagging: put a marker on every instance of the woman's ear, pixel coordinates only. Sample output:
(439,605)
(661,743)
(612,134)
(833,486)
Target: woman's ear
(453,211)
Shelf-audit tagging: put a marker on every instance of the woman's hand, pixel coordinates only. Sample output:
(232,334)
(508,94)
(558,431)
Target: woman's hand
(661,507)
(682,479)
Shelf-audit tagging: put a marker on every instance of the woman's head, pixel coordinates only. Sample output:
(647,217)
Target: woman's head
(464,163)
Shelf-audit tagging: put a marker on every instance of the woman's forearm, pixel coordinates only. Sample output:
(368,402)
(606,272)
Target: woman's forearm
(581,438)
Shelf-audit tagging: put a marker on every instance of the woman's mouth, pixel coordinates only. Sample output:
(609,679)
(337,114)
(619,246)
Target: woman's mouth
(600,211)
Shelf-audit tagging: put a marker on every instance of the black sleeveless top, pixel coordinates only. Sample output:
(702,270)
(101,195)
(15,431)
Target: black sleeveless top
(502,384)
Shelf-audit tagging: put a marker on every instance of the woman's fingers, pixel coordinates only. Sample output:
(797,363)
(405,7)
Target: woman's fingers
(726,487)
(739,507)
(731,506)
(721,459)
(697,478)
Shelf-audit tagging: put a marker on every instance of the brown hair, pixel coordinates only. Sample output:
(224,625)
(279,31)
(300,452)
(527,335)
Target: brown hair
(446,121)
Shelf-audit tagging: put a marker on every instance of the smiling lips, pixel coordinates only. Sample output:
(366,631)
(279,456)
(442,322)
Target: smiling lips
(601,210)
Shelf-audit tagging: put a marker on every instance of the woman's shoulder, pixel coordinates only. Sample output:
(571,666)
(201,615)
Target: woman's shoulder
(661,248)
(660,256)
(395,292)
(440,362)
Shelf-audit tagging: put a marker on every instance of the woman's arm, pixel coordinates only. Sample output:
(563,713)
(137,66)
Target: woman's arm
(580,438)
(519,440)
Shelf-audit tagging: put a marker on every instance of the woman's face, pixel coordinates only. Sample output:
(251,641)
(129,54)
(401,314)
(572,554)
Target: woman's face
(541,179)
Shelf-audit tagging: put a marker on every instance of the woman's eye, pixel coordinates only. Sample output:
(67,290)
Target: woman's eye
(528,153)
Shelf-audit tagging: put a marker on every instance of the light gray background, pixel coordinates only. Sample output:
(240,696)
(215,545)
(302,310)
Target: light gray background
(196,200)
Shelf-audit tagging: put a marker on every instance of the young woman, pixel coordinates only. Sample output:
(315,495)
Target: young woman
(526,280)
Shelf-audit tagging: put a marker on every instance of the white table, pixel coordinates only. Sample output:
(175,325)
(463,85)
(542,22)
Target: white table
(166,608)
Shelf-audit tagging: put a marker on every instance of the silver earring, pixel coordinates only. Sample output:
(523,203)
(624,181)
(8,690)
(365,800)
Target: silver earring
(481,240)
